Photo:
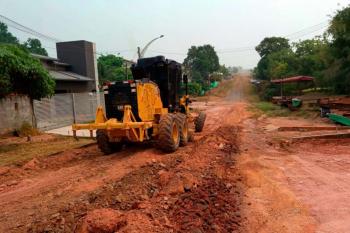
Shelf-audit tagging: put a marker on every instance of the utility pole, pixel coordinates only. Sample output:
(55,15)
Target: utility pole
(126,70)
(96,76)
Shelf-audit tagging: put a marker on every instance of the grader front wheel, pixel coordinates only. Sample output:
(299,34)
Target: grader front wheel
(181,120)
(199,121)
(169,134)
(104,145)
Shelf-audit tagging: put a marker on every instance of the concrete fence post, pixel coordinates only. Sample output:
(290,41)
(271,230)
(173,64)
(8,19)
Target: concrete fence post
(34,121)
(73,107)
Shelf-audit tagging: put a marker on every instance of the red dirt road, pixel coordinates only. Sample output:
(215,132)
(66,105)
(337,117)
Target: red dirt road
(295,187)
(56,193)
(240,175)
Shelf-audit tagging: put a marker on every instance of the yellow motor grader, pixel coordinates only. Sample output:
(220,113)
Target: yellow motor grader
(149,107)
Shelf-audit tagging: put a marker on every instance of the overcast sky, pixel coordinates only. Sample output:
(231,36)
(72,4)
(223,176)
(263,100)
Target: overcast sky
(233,27)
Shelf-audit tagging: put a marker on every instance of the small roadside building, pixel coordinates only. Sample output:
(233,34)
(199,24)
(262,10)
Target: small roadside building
(298,80)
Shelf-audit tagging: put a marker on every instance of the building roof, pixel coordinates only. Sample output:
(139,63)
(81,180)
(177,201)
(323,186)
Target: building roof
(59,74)
(68,76)
(293,79)
(61,63)
(129,62)
(47,58)
(42,57)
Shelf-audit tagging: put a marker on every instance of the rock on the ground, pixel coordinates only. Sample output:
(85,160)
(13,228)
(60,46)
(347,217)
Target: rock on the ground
(164,177)
(102,220)
(12,183)
(177,183)
(137,222)
(4,170)
(32,164)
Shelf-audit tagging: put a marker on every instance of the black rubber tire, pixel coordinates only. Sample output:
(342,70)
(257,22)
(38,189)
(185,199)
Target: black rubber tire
(181,120)
(104,145)
(166,140)
(190,136)
(199,122)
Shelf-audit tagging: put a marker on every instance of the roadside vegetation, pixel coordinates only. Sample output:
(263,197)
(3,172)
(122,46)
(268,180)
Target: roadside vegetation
(326,58)
(111,68)
(17,152)
(21,73)
(260,108)
(203,68)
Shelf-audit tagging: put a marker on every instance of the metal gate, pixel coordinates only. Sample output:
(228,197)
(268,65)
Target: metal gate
(65,109)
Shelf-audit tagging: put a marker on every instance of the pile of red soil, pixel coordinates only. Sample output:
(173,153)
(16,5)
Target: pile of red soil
(211,207)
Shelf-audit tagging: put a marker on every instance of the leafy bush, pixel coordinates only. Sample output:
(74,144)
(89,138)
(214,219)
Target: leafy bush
(25,130)
(194,89)
(266,90)
(23,74)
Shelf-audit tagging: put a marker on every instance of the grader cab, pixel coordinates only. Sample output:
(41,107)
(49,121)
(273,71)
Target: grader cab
(149,107)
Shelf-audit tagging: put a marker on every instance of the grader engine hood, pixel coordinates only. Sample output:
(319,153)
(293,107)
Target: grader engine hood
(143,97)
(148,99)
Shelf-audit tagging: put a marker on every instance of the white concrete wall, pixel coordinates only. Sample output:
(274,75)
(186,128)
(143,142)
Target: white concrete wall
(14,110)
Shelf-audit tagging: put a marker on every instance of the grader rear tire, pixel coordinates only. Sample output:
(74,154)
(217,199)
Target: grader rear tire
(199,122)
(169,134)
(181,120)
(104,145)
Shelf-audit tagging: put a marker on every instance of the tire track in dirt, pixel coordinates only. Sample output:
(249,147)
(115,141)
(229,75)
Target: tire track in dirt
(48,190)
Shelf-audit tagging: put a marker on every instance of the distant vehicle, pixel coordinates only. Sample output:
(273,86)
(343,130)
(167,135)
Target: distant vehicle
(254,81)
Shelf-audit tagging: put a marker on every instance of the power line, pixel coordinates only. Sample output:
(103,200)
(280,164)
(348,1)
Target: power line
(22,28)
(26,29)
(293,36)
(307,30)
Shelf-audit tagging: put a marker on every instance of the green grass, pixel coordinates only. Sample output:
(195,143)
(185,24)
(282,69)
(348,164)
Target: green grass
(270,109)
(273,110)
(19,153)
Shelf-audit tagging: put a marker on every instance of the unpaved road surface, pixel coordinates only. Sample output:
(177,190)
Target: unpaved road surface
(140,189)
(239,175)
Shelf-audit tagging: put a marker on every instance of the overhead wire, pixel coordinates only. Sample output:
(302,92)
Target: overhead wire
(293,36)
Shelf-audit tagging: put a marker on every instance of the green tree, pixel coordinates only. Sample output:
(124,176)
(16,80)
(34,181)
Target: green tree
(224,70)
(281,64)
(34,46)
(110,68)
(200,62)
(271,45)
(340,51)
(6,36)
(268,47)
(23,74)
(261,71)
(313,58)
